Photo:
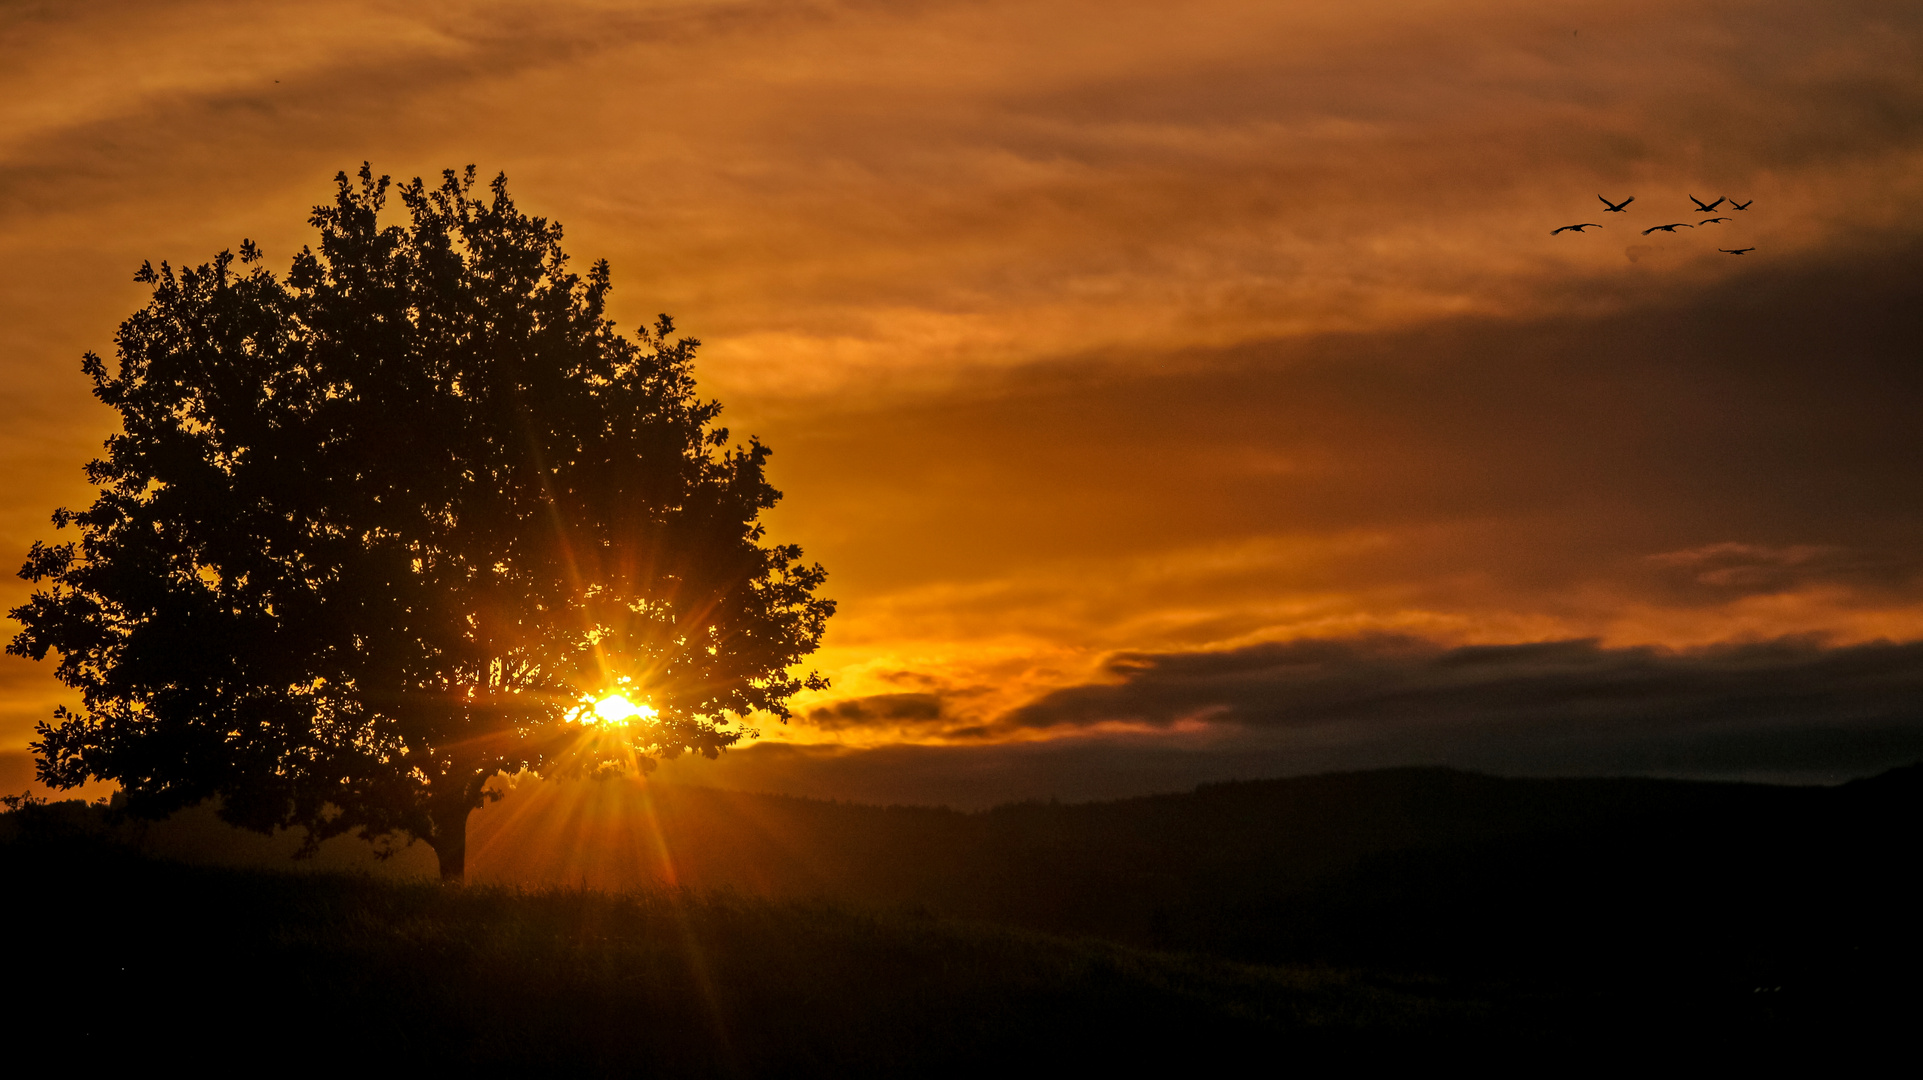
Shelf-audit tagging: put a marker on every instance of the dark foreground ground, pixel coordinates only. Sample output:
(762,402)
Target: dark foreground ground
(1306,923)
(130,961)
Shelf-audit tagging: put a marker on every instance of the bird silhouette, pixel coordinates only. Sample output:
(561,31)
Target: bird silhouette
(1578,228)
(1705,208)
(1668,228)
(1734,205)
(1735,251)
(1711,220)
(1617,207)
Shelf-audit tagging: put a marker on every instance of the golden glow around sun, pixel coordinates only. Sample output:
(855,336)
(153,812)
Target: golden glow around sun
(617,708)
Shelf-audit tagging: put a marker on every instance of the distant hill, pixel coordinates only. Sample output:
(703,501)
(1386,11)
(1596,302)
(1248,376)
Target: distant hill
(1348,867)
(1351,867)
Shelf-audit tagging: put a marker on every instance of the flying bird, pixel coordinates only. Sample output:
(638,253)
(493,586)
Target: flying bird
(1735,251)
(1668,228)
(1734,205)
(1711,220)
(1578,228)
(1617,207)
(1705,208)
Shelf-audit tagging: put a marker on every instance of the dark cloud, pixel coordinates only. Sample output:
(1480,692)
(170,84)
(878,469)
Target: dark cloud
(1396,680)
(878,708)
(1785,705)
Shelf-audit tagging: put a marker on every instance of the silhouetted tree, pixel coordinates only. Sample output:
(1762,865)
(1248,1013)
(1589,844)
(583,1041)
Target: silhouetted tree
(381,529)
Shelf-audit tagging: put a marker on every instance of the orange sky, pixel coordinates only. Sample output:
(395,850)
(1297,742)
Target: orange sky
(1098,330)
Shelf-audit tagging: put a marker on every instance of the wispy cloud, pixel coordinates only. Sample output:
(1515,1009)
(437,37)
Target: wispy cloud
(1097,328)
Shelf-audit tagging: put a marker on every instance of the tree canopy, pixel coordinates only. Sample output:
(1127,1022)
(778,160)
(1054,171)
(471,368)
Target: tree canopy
(384,527)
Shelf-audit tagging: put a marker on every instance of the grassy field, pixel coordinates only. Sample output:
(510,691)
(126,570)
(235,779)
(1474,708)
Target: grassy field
(118,957)
(1298,923)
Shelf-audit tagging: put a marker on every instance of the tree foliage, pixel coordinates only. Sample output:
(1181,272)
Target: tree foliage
(374,531)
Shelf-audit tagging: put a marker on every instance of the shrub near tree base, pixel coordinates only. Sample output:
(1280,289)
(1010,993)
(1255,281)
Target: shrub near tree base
(380,529)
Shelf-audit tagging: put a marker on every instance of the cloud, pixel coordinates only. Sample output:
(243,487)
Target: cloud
(1784,705)
(990,183)
(1560,465)
(878,709)
(1219,326)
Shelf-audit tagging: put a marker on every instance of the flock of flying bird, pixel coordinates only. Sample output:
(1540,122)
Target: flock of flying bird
(1701,208)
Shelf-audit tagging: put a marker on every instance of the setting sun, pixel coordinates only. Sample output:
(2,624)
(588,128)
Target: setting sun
(617,708)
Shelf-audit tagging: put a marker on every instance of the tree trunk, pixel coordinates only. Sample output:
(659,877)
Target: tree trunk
(450,842)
